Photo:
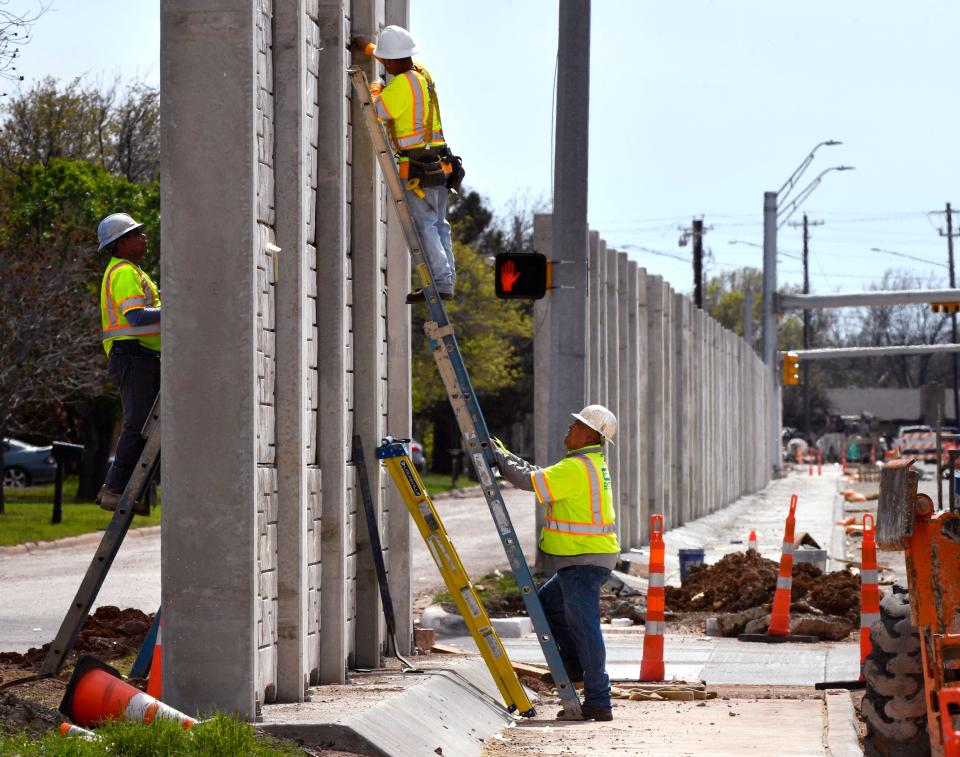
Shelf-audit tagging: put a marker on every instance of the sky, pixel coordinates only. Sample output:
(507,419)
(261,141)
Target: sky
(696,108)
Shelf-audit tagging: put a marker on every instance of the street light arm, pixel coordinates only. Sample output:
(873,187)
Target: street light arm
(784,213)
(791,182)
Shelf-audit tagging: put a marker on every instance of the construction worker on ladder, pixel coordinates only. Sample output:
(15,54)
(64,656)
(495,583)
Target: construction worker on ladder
(130,319)
(409,109)
(579,544)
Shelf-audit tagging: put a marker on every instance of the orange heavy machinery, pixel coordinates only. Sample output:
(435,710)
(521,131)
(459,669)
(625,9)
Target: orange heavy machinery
(913,672)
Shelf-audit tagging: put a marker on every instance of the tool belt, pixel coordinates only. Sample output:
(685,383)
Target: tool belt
(431,167)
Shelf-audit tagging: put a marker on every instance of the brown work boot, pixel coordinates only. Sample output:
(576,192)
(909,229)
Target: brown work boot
(418,295)
(596,713)
(108,500)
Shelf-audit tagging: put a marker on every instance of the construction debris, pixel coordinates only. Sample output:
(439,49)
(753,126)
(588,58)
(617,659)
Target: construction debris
(18,714)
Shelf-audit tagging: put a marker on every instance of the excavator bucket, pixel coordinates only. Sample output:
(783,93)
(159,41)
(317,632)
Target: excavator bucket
(897,503)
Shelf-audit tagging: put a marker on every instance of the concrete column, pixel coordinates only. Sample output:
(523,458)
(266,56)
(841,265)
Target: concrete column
(669,407)
(397,521)
(602,392)
(292,144)
(697,440)
(542,357)
(368,232)
(568,307)
(630,402)
(595,299)
(641,373)
(612,347)
(209,568)
(332,242)
(678,388)
(656,371)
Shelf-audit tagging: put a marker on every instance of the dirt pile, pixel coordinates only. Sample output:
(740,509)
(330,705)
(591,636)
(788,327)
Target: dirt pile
(109,633)
(744,580)
(23,715)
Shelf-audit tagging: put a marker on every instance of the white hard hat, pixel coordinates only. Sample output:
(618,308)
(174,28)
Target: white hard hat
(113,227)
(395,42)
(599,419)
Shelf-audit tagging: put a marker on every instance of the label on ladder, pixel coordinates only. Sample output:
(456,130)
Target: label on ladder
(456,381)
(394,456)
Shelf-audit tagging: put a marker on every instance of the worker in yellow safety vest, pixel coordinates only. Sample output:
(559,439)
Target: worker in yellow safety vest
(409,109)
(579,545)
(130,321)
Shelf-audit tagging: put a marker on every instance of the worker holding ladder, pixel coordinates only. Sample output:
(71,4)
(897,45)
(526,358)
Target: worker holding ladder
(579,544)
(409,109)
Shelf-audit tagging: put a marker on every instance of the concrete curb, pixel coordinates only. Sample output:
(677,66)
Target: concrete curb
(446,712)
(450,624)
(72,541)
(842,738)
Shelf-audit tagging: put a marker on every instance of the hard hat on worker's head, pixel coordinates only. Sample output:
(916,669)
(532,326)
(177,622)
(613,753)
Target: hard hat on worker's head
(599,419)
(113,227)
(395,42)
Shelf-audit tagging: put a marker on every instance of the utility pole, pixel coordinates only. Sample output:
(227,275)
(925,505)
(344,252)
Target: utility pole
(953,316)
(804,366)
(698,262)
(768,322)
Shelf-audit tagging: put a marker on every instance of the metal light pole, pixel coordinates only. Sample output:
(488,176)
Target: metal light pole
(772,219)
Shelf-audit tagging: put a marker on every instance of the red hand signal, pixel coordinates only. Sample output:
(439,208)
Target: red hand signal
(508,276)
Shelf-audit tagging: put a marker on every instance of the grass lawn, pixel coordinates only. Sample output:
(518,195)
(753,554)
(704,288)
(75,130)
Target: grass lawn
(219,736)
(29,510)
(437,483)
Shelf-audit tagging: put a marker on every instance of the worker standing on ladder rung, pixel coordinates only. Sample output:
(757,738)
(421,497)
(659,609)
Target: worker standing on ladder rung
(579,544)
(130,321)
(409,109)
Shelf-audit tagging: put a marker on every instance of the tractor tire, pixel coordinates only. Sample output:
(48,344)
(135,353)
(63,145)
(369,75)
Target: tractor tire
(893,705)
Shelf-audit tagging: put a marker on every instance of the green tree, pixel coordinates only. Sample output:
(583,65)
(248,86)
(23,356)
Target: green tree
(49,290)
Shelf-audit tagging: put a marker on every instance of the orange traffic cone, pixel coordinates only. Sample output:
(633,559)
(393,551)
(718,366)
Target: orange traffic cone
(869,588)
(97,692)
(752,542)
(155,681)
(651,667)
(77,732)
(780,614)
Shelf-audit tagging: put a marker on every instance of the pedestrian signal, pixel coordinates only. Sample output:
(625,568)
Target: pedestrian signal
(521,275)
(945,307)
(791,368)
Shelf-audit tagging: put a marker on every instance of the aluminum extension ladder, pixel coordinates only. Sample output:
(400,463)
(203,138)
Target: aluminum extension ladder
(473,427)
(109,546)
(393,454)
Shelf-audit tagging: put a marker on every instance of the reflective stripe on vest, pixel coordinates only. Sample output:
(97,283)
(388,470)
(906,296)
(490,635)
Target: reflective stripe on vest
(596,526)
(117,324)
(579,529)
(410,133)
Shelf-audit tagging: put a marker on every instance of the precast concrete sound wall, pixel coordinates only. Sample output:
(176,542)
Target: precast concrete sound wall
(690,395)
(285,333)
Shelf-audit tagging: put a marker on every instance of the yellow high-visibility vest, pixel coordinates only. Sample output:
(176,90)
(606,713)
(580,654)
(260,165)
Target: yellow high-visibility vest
(577,494)
(125,287)
(405,103)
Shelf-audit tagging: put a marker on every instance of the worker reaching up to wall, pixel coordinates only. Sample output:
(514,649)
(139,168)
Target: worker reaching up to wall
(410,111)
(579,544)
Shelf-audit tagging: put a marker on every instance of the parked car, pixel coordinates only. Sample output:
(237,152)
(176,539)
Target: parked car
(416,455)
(26,465)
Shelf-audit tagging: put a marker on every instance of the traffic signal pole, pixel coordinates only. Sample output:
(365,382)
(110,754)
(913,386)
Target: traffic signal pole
(953,318)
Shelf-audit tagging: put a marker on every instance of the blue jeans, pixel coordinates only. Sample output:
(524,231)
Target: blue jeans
(571,601)
(430,217)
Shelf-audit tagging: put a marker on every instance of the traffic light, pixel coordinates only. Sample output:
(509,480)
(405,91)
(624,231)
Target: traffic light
(791,368)
(521,275)
(945,307)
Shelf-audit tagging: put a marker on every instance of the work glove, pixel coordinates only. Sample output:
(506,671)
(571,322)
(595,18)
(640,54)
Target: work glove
(375,89)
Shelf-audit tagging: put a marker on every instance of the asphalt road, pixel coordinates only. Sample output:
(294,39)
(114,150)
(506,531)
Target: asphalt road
(36,588)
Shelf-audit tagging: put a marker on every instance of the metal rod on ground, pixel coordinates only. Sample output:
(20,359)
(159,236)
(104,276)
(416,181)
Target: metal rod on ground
(377,549)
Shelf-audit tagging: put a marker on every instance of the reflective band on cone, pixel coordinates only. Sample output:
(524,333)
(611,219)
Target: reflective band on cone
(97,693)
(76,731)
(780,614)
(869,588)
(651,667)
